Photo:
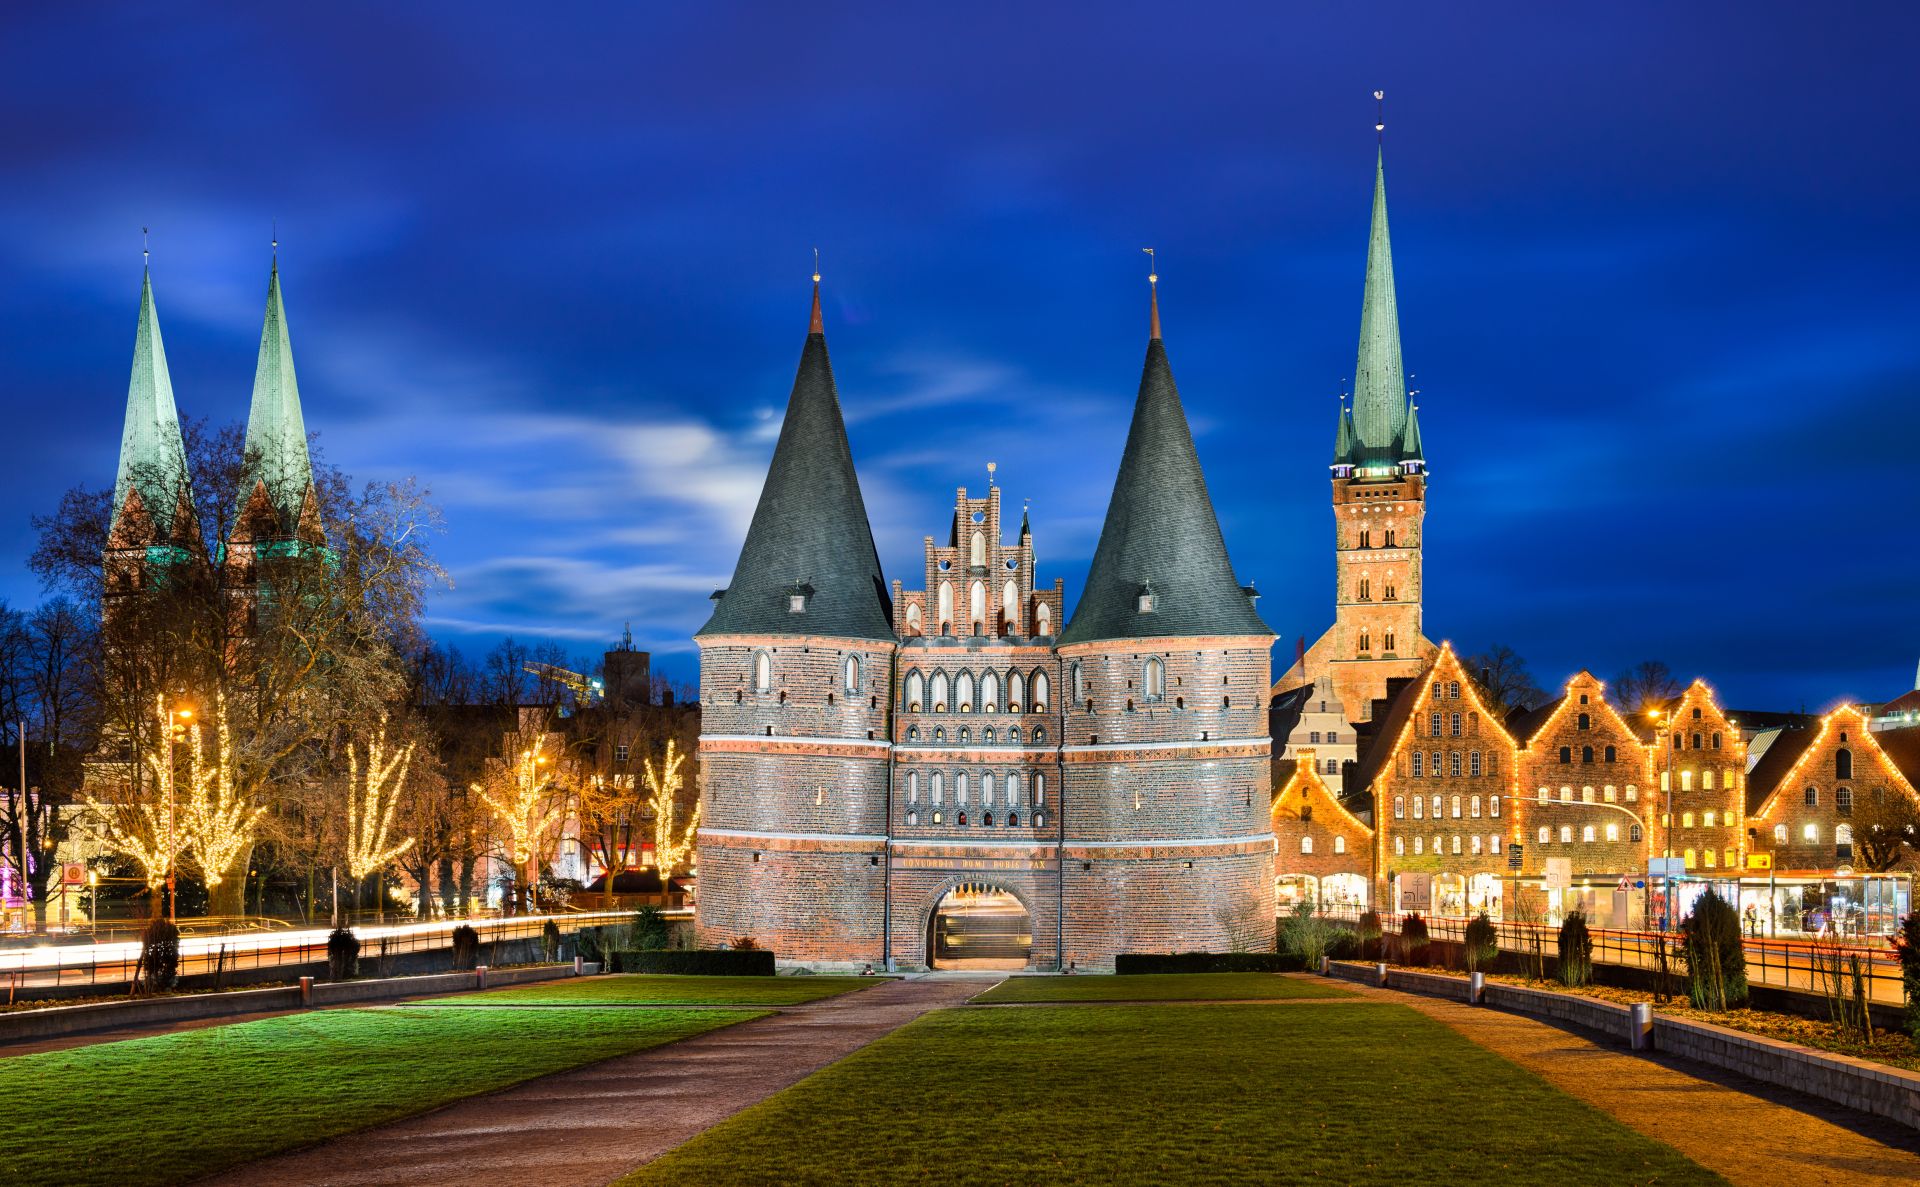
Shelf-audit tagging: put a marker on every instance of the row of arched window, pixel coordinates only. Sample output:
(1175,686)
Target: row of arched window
(850,669)
(964,735)
(1810,834)
(1588,795)
(963,694)
(1306,843)
(1471,845)
(1590,834)
(1366,641)
(1462,805)
(1424,765)
(1008,795)
(1842,798)
(1588,755)
(1706,780)
(1365,591)
(977,611)
(1452,725)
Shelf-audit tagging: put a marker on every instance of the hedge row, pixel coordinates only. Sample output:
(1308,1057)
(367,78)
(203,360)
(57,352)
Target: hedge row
(750,962)
(1208,962)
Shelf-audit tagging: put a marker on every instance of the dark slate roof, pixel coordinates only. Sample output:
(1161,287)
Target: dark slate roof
(1776,762)
(1283,769)
(1389,717)
(1902,748)
(809,529)
(1161,533)
(1283,711)
(1524,723)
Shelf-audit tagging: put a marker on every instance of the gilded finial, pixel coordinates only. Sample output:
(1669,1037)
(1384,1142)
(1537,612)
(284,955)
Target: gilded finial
(1153,283)
(1380,115)
(816,265)
(991,467)
(146,256)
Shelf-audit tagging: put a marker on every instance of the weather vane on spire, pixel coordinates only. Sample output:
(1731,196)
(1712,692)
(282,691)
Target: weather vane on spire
(991,467)
(145,255)
(1153,266)
(1380,115)
(276,241)
(816,265)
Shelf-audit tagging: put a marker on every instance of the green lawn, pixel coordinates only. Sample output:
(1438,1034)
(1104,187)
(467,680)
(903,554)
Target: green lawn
(176,1107)
(1160,987)
(1343,1092)
(660,989)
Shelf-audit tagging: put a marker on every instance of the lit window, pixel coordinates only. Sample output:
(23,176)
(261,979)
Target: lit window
(1709,856)
(1706,780)
(1476,844)
(1456,807)
(1586,795)
(1546,834)
(1493,806)
(1436,807)
(1811,833)
(1306,844)
(1613,832)
(1419,845)
(1339,844)
(1419,764)
(1609,794)
(1419,807)
(1456,843)
(1566,834)
(1686,781)
(1400,807)
(1474,807)
(1779,834)
(1399,846)
(1708,818)
(1633,793)
(1689,859)
(1686,820)
(1566,795)
(1544,795)
(1586,834)
(1493,844)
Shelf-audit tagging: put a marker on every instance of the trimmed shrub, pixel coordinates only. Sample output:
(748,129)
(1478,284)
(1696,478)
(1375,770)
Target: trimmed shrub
(1908,941)
(1716,963)
(466,947)
(1344,945)
(651,930)
(589,945)
(1413,940)
(1368,932)
(1306,934)
(706,962)
(1482,943)
(1576,950)
(159,963)
(343,954)
(1208,962)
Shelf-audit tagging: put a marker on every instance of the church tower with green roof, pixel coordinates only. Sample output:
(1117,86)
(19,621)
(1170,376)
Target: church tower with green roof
(153,524)
(1379,471)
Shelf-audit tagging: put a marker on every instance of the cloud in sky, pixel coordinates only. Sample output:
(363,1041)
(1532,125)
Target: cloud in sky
(1653,262)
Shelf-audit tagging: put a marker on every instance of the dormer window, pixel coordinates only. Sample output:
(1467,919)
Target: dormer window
(797,597)
(1145,602)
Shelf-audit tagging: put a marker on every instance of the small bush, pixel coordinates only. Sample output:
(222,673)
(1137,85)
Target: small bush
(159,964)
(1908,941)
(724,962)
(1344,945)
(1576,950)
(343,954)
(743,944)
(1208,962)
(1716,962)
(466,947)
(1414,942)
(1482,943)
(650,929)
(1306,934)
(589,945)
(1368,932)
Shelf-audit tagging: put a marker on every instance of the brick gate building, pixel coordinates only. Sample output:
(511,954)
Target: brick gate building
(866,757)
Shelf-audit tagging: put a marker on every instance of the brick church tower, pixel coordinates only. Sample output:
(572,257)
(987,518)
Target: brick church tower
(1168,844)
(1379,509)
(796,668)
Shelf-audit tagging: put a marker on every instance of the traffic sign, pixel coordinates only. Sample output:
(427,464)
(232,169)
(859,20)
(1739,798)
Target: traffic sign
(1515,852)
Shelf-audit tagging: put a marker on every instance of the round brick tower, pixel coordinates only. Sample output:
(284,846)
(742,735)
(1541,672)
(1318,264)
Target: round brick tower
(795,693)
(1167,845)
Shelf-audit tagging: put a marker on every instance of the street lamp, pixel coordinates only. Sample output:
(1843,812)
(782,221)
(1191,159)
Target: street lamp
(1666,829)
(175,730)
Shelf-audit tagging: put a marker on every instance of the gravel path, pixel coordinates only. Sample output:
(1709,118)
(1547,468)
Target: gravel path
(1745,1130)
(591,1126)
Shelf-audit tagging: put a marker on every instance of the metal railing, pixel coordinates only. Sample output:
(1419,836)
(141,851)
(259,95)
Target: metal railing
(1778,962)
(112,961)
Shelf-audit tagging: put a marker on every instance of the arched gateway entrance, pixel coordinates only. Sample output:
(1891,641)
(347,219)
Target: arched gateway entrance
(976,926)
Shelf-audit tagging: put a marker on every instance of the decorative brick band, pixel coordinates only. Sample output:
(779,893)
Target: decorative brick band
(1147,751)
(786,744)
(1174,643)
(794,842)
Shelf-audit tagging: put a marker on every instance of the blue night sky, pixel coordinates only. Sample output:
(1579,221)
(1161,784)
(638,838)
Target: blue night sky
(1655,262)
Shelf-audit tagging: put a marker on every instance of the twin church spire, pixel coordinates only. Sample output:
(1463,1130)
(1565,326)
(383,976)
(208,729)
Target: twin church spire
(1383,427)
(153,502)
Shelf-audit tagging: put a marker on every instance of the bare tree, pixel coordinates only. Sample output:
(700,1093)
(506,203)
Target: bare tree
(1502,677)
(1647,685)
(1886,825)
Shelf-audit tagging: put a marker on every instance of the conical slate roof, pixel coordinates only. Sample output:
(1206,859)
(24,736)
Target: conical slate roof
(153,456)
(276,429)
(1161,536)
(1379,383)
(1343,439)
(1410,446)
(809,533)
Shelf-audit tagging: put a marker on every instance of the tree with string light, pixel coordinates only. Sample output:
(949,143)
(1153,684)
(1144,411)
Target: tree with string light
(526,805)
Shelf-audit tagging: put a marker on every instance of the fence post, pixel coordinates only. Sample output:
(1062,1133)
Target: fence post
(306,992)
(579,964)
(1476,988)
(480,976)
(1640,1026)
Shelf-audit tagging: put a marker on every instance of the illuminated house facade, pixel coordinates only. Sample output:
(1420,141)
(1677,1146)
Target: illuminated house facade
(955,771)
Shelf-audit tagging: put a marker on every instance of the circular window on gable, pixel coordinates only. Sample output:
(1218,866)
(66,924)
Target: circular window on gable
(945,565)
(979,517)
(1013,564)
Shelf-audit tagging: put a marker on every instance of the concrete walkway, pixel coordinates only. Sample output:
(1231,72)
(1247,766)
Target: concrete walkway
(1745,1130)
(588,1127)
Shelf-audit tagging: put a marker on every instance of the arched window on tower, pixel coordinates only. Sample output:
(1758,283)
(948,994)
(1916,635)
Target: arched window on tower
(1386,639)
(852,673)
(1156,679)
(937,692)
(1039,696)
(1366,590)
(1009,609)
(977,607)
(1016,692)
(989,692)
(913,618)
(1366,642)
(1043,619)
(963,692)
(977,553)
(916,690)
(762,672)
(946,607)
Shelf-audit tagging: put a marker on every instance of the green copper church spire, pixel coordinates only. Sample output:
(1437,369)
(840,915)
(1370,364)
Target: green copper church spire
(276,431)
(1379,385)
(153,456)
